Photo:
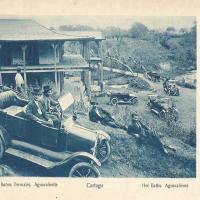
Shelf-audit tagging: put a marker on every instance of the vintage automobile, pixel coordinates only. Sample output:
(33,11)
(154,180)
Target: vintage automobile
(170,87)
(153,76)
(163,107)
(72,145)
(122,98)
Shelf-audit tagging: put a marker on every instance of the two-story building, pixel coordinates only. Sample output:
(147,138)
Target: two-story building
(40,54)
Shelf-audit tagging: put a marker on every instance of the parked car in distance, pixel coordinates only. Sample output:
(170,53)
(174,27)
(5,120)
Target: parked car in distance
(122,98)
(163,107)
(72,145)
(153,76)
(170,87)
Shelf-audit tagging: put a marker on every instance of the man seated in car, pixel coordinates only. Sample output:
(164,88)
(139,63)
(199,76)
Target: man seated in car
(99,115)
(36,111)
(51,106)
(143,133)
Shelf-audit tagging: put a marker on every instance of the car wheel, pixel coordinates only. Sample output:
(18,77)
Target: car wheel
(162,115)
(134,101)
(103,151)
(2,148)
(84,170)
(175,116)
(114,101)
(177,92)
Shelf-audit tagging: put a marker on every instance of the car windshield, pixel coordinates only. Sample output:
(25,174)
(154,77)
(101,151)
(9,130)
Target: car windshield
(171,81)
(65,101)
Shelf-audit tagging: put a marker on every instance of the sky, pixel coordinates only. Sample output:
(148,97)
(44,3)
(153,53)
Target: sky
(124,22)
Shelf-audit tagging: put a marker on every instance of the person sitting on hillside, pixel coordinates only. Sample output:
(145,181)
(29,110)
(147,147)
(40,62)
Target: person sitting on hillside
(144,134)
(99,115)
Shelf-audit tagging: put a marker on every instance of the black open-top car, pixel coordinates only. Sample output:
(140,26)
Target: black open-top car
(163,107)
(153,76)
(170,87)
(72,145)
(122,97)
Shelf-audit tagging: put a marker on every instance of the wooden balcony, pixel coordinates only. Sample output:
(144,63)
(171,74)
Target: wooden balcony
(43,68)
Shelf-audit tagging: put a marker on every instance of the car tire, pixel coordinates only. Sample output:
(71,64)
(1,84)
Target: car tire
(176,118)
(162,115)
(114,101)
(177,92)
(84,170)
(103,151)
(134,101)
(2,148)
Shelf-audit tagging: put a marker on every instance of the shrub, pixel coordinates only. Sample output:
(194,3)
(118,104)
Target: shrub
(175,129)
(138,30)
(185,84)
(139,83)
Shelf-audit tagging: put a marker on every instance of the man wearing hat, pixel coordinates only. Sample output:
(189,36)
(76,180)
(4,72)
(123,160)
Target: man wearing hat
(35,111)
(46,99)
(50,105)
(144,134)
(99,115)
(19,81)
(135,127)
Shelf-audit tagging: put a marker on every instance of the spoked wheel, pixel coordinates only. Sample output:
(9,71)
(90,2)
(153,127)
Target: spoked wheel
(114,101)
(134,101)
(103,151)
(177,93)
(84,170)
(162,115)
(2,148)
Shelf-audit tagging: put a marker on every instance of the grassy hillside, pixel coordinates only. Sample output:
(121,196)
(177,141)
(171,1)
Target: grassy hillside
(151,51)
(147,52)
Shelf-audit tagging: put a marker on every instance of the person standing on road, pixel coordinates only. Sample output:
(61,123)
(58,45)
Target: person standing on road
(19,81)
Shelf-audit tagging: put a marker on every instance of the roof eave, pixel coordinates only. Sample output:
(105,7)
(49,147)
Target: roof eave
(56,39)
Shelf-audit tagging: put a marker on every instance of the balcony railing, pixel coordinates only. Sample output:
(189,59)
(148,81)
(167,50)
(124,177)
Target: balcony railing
(43,68)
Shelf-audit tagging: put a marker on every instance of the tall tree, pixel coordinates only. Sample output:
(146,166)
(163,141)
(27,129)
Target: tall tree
(138,30)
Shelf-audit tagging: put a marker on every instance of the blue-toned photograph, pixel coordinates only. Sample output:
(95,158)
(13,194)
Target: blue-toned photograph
(98,96)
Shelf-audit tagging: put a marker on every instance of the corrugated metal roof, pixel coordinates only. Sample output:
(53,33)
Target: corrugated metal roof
(27,29)
(94,34)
